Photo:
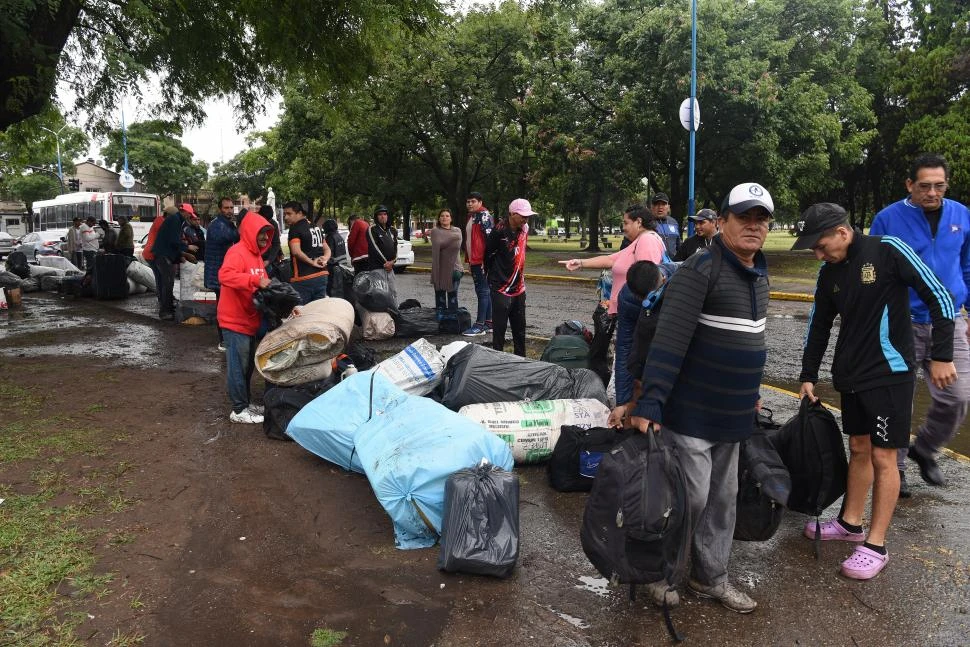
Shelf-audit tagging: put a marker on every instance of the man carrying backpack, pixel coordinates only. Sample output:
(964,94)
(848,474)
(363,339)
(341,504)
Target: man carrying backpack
(866,280)
(702,378)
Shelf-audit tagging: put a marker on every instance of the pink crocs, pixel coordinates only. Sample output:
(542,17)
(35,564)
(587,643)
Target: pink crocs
(832,529)
(864,564)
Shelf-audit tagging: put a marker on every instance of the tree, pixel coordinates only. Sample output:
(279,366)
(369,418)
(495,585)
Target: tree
(245,173)
(31,187)
(106,49)
(157,157)
(28,156)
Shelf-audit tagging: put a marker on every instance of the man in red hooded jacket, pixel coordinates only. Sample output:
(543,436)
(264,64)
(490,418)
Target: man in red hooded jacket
(242,273)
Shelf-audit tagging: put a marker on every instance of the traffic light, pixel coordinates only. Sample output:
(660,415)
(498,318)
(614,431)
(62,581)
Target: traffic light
(74,184)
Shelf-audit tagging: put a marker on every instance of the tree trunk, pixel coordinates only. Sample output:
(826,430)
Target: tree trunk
(593,217)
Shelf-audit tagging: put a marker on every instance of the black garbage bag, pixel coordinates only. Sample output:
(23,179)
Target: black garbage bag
(17,264)
(341,284)
(276,302)
(477,374)
(480,523)
(282,403)
(415,322)
(373,291)
(764,484)
(599,348)
(577,455)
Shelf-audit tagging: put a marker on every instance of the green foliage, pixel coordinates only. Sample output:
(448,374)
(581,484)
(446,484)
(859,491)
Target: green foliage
(157,157)
(106,49)
(31,187)
(327,638)
(246,173)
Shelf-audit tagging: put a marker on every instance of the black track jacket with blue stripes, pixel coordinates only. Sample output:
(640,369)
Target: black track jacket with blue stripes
(869,290)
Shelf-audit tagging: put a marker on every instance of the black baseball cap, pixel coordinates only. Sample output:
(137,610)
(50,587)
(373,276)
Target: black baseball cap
(704,214)
(659,197)
(815,221)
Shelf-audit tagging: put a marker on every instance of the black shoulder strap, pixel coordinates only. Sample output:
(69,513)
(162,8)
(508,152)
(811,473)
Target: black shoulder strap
(716,259)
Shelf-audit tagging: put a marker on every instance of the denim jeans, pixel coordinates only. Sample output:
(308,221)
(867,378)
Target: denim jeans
(240,363)
(484,294)
(447,301)
(311,289)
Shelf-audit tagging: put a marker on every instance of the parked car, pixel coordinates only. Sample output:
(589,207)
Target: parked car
(42,243)
(7,243)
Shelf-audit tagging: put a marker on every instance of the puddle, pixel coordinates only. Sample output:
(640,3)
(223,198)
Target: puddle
(579,623)
(597,585)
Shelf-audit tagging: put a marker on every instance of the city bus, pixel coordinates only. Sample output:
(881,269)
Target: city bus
(59,212)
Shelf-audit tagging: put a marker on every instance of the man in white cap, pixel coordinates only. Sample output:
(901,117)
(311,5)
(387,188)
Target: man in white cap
(505,265)
(702,380)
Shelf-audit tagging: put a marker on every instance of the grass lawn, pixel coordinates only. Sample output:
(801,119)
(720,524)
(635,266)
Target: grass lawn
(544,256)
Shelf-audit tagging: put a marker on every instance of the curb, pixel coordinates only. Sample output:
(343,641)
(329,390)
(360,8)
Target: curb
(556,278)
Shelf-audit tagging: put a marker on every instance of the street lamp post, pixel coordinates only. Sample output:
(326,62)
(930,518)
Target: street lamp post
(57,138)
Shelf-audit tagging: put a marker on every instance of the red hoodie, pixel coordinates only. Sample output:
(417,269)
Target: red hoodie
(239,277)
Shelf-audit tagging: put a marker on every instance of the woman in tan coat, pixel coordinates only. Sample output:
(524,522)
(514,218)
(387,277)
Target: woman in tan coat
(446,268)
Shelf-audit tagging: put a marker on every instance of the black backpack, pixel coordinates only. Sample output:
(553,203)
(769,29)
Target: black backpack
(637,518)
(577,455)
(763,483)
(810,445)
(573,327)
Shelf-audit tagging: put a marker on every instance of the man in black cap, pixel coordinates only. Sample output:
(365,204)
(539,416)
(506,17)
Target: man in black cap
(865,280)
(705,226)
(667,227)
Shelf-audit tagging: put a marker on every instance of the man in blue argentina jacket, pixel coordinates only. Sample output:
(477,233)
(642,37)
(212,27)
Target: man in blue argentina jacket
(702,380)
(865,280)
(939,231)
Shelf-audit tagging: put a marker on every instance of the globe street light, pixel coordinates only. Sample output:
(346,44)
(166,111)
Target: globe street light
(57,137)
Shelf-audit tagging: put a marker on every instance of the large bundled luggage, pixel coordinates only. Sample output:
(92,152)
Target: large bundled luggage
(300,350)
(373,291)
(110,280)
(374,326)
(142,275)
(570,351)
(532,428)
(637,519)
(477,374)
(341,283)
(764,484)
(416,369)
(480,526)
(407,446)
(577,455)
(454,322)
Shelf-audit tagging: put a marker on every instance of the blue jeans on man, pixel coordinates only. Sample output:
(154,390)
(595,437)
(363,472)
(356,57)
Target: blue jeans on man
(483,319)
(311,289)
(240,363)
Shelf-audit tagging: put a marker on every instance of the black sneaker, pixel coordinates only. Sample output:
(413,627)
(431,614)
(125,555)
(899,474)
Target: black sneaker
(928,468)
(904,491)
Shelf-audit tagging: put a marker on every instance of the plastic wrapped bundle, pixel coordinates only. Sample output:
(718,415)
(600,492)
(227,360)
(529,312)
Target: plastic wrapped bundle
(300,350)
(480,528)
(478,375)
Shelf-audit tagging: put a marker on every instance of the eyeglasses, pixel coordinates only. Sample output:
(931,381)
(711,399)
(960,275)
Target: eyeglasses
(925,187)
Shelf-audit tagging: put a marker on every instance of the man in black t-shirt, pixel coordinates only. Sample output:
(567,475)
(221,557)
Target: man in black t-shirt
(309,254)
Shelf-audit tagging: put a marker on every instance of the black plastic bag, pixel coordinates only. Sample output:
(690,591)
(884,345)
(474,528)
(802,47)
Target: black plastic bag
(415,322)
(17,264)
(374,291)
(341,283)
(276,302)
(480,524)
(477,374)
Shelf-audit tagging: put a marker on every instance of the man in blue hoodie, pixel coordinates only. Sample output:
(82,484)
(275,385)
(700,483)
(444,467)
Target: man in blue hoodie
(939,231)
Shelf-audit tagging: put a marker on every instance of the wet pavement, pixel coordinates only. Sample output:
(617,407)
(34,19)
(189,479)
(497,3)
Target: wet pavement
(555,597)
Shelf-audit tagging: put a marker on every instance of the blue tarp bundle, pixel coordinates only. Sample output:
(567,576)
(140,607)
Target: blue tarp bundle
(407,446)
